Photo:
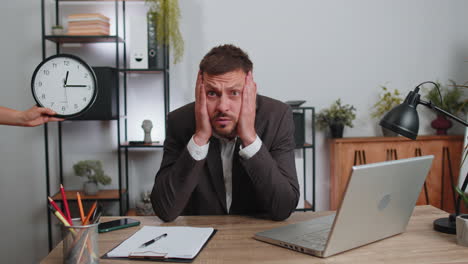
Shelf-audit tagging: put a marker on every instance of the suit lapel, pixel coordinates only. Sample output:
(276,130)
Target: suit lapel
(216,170)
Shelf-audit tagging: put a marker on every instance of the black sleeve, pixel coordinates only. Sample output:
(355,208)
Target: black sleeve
(273,172)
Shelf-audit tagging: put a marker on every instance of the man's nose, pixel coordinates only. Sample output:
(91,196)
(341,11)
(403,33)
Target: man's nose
(223,104)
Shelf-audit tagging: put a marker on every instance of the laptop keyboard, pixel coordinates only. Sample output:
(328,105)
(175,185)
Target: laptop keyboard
(318,233)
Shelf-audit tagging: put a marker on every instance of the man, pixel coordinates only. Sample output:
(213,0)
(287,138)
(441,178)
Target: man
(230,152)
(34,116)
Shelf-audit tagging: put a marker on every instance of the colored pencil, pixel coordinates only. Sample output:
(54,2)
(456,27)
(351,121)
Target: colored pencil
(80,205)
(90,213)
(60,217)
(55,206)
(65,203)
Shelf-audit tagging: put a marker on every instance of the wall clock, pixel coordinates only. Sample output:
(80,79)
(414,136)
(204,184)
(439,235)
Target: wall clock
(66,84)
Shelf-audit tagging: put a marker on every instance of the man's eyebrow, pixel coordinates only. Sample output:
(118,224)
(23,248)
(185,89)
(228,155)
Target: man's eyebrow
(207,86)
(235,86)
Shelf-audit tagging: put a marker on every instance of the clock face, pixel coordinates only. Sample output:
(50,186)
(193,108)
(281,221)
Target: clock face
(64,83)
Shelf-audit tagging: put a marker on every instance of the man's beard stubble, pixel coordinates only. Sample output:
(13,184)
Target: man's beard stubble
(230,134)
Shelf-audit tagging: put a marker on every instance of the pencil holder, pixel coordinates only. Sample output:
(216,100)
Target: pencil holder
(80,243)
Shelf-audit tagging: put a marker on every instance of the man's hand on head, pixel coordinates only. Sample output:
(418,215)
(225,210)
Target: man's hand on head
(246,124)
(203,130)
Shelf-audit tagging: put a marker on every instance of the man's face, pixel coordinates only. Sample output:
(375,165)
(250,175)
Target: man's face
(224,100)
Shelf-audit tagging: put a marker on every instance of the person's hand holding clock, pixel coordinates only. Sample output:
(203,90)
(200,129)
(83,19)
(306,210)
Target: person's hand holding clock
(64,83)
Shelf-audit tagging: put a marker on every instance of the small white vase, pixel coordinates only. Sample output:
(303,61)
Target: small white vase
(462,230)
(90,188)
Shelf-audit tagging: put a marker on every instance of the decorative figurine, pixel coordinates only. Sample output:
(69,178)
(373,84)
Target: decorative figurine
(147,126)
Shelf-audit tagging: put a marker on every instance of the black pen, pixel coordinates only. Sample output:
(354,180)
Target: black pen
(152,241)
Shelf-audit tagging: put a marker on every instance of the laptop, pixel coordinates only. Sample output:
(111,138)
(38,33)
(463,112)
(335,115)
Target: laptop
(378,202)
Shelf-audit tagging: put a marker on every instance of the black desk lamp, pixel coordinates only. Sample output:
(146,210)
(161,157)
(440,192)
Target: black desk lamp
(404,120)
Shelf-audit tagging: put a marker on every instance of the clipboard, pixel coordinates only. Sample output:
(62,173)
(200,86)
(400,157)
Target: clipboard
(159,258)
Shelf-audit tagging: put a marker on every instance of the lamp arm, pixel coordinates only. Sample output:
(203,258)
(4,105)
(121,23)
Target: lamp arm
(440,110)
(465,182)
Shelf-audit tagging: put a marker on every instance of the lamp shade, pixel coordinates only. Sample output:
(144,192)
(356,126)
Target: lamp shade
(403,119)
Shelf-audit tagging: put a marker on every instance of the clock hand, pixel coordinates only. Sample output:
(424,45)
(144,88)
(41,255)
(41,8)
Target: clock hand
(75,86)
(66,79)
(66,97)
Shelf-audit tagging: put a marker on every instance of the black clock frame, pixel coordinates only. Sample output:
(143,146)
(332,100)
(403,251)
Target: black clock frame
(73,57)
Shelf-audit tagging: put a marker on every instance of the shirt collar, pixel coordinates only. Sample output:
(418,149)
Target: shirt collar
(224,139)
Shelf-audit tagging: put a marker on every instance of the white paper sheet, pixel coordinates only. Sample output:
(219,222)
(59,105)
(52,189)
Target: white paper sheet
(180,242)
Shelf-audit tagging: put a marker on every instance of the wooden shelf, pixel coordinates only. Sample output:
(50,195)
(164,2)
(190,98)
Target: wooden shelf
(82,39)
(152,145)
(101,195)
(143,70)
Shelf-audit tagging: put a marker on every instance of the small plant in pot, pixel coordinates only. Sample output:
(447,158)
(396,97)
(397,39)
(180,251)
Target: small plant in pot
(92,169)
(336,117)
(387,101)
(450,100)
(57,30)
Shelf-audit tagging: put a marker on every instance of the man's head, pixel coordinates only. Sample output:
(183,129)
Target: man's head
(224,70)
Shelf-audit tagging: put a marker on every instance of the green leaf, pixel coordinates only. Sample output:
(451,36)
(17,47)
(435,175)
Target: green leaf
(387,101)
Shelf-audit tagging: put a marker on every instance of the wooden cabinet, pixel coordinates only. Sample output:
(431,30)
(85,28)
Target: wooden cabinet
(447,151)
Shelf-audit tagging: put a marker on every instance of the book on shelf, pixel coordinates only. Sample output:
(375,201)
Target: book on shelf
(89,28)
(88,23)
(88,33)
(86,16)
(91,19)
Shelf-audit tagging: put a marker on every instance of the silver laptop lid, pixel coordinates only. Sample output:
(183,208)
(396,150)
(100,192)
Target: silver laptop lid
(378,202)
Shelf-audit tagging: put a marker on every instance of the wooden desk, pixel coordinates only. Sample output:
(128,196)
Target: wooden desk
(233,243)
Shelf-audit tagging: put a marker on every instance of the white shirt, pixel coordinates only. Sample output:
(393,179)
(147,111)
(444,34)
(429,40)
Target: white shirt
(227,153)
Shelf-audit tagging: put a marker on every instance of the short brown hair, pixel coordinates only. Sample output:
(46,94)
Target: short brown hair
(225,58)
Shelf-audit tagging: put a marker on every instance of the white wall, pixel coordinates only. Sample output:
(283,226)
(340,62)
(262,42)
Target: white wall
(313,50)
(323,50)
(22,168)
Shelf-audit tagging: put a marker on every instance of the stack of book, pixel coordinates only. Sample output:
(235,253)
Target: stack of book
(88,24)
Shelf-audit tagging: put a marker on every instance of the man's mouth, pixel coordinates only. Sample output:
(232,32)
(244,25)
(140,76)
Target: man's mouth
(223,121)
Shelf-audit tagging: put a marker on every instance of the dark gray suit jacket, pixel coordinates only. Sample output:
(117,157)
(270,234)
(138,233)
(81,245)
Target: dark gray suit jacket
(266,184)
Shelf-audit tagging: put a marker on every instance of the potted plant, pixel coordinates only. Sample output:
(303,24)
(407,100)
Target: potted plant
(92,169)
(336,118)
(450,100)
(57,30)
(387,101)
(166,14)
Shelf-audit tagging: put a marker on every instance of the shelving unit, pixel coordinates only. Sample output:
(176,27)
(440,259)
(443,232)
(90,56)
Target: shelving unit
(121,194)
(303,148)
